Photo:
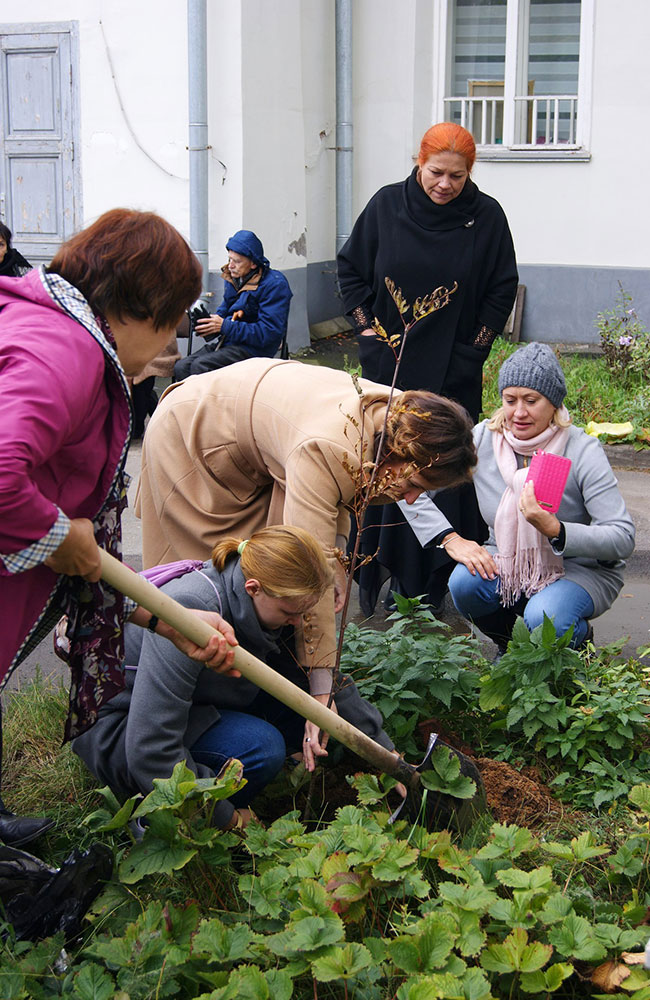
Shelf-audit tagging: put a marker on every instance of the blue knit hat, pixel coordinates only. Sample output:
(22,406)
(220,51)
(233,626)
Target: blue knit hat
(248,244)
(534,367)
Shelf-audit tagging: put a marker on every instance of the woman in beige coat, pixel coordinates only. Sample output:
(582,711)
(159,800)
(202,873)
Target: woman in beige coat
(279,442)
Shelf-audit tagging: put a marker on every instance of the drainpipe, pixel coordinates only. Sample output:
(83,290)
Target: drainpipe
(197,53)
(343,121)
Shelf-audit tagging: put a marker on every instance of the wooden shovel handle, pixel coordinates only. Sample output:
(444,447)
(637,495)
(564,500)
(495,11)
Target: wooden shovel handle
(192,627)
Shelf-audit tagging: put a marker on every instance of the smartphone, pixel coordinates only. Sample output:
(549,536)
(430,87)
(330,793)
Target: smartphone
(549,473)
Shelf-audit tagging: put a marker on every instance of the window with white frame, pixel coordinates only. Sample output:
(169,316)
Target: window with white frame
(518,73)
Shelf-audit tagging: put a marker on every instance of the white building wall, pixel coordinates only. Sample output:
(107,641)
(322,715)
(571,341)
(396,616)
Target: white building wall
(225,126)
(134,155)
(384,88)
(319,126)
(274,145)
(271,95)
(147,43)
(592,214)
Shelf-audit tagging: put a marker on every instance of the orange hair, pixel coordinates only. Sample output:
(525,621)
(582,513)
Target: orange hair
(446,137)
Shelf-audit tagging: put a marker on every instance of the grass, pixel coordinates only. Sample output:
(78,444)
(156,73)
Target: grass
(40,776)
(593,392)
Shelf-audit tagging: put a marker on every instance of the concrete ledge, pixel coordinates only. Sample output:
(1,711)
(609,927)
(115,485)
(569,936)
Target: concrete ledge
(624,456)
(582,350)
(330,328)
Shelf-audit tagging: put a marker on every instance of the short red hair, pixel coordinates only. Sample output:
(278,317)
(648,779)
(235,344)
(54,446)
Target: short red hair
(132,264)
(446,137)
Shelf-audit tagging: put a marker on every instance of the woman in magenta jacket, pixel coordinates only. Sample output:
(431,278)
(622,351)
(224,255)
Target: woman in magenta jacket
(70,334)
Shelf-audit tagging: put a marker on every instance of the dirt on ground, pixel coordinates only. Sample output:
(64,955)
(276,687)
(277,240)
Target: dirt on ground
(339,351)
(515,798)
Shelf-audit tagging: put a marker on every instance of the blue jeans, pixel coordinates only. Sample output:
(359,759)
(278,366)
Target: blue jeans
(256,743)
(566,603)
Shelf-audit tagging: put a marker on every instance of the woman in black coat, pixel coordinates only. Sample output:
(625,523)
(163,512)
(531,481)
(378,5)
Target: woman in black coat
(435,230)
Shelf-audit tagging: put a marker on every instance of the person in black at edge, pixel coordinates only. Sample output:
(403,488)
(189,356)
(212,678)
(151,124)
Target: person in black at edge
(12,263)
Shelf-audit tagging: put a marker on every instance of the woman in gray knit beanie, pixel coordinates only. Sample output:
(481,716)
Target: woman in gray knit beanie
(565,564)
(534,367)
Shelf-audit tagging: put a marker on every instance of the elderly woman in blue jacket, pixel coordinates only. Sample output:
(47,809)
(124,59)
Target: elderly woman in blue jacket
(569,565)
(252,318)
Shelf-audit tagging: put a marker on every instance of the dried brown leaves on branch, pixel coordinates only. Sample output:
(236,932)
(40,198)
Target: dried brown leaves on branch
(363,468)
(393,340)
(422,308)
(397,297)
(431,303)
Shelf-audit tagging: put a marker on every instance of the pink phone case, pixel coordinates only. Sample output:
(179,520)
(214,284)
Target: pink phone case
(549,474)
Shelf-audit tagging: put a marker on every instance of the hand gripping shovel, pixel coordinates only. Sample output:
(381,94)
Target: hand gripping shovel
(440,810)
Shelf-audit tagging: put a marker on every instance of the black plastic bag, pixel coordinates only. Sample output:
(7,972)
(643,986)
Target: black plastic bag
(40,901)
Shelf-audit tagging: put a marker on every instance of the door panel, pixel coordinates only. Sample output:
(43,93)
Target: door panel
(37,182)
(33,189)
(32,87)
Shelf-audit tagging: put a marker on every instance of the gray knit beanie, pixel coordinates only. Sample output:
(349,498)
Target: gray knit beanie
(534,367)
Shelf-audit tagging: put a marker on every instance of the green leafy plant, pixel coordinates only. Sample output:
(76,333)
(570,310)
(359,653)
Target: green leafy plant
(444,775)
(413,670)
(176,819)
(357,908)
(542,703)
(569,707)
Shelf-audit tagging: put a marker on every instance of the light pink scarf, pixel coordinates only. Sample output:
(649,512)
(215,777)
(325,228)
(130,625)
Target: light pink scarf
(525,560)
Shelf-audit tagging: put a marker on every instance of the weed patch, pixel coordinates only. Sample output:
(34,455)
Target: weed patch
(40,776)
(357,907)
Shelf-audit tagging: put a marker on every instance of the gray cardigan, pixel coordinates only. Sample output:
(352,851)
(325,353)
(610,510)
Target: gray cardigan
(599,530)
(170,700)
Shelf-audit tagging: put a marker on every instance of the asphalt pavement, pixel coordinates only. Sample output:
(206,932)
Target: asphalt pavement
(629,616)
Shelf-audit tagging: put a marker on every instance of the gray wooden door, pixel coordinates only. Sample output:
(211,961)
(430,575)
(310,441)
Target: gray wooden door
(38,189)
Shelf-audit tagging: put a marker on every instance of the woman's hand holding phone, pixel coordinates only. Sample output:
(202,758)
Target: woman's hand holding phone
(545,522)
(549,473)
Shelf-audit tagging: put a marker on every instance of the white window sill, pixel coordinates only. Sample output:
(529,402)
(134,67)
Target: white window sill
(521,154)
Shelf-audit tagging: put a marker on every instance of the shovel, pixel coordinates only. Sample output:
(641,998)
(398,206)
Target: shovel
(439,809)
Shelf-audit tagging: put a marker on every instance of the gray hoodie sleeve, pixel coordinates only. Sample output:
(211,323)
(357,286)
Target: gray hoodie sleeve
(159,711)
(426,521)
(424,518)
